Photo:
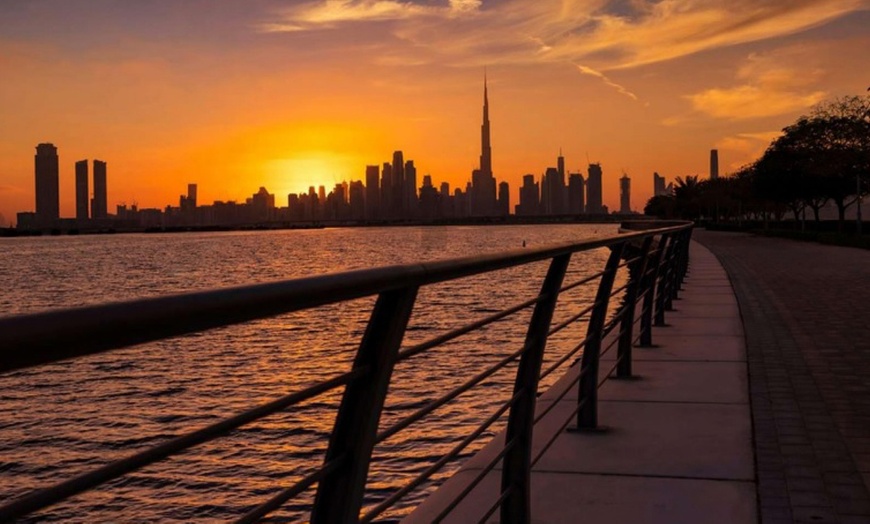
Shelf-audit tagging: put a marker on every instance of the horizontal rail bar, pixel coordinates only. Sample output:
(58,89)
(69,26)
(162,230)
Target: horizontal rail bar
(475,481)
(495,506)
(25,342)
(452,394)
(46,497)
(619,290)
(279,499)
(440,463)
(558,433)
(563,358)
(580,282)
(573,318)
(458,332)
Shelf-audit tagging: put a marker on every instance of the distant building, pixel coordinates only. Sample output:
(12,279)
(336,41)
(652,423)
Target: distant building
(47,175)
(576,194)
(373,196)
(429,206)
(529,197)
(82,190)
(714,164)
(187,207)
(357,198)
(387,190)
(504,199)
(659,187)
(100,203)
(399,198)
(594,197)
(625,195)
(553,197)
(410,196)
(483,186)
(191,194)
(262,205)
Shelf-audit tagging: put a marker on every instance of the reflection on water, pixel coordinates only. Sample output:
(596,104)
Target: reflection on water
(67,418)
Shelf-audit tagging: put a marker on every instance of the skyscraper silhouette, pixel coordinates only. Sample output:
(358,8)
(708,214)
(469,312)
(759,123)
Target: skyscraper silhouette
(410,206)
(529,197)
(576,194)
(594,197)
(373,196)
(47,177)
(99,205)
(82,190)
(485,145)
(714,164)
(625,195)
(387,190)
(399,198)
(483,188)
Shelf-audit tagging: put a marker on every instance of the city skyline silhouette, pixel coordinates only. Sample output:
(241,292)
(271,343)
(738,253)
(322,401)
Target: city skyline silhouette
(310,93)
(388,194)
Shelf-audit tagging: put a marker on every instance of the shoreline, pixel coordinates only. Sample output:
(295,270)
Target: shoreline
(481,221)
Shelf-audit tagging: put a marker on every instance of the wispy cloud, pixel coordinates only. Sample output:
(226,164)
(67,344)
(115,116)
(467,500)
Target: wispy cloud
(468,32)
(331,13)
(598,74)
(771,85)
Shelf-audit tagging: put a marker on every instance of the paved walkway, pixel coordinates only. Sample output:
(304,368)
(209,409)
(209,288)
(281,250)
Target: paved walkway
(678,448)
(806,313)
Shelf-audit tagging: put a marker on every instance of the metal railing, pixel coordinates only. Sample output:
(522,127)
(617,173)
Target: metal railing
(656,260)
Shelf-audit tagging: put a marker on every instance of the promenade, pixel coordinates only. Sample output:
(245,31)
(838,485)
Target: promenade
(753,406)
(807,322)
(676,445)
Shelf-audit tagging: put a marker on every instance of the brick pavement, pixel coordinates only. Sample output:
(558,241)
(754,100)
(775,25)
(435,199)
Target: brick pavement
(807,321)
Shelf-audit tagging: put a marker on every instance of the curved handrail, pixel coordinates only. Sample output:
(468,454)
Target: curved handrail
(41,338)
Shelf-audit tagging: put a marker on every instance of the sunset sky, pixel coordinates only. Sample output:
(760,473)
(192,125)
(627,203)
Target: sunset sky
(287,94)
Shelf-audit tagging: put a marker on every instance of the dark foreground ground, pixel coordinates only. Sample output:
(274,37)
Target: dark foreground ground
(806,314)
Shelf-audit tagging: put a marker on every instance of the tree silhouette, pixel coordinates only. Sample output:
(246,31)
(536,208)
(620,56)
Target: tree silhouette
(821,156)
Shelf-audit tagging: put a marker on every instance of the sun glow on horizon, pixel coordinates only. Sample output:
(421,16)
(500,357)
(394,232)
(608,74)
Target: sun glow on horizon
(296,173)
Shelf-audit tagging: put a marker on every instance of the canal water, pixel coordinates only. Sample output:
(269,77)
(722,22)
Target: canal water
(67,418)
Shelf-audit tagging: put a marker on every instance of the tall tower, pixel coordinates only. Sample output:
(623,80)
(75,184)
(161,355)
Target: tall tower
(82,190)
(594,197)
(624,195)
(399,197)
(714,164)
(483,188)
(47,180)
(373,197)
(485,146)
(99,205)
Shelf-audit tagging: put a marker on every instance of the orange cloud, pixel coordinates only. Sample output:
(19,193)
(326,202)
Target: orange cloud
(744,148)
(773,84)
(519,31)
(749,101)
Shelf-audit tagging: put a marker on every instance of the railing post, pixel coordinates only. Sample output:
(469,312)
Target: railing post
(339,496)
(663,281)
(587,416)
(684,257)
(517,461)
(636,281)
(674,271)
(646,321)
